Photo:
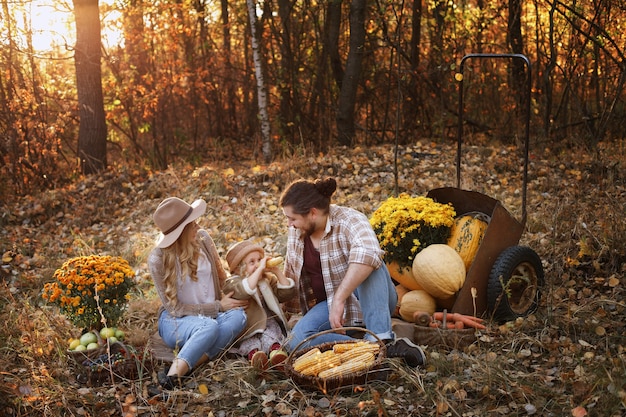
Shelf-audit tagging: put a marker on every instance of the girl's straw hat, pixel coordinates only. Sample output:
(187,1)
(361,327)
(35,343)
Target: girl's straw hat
(239,251)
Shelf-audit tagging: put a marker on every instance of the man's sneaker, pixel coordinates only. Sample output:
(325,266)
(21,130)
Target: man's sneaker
(403,348)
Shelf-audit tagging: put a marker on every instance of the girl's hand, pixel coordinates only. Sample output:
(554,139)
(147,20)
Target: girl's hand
(275,269)
(228,303)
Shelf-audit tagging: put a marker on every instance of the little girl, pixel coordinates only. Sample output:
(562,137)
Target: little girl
(266,287)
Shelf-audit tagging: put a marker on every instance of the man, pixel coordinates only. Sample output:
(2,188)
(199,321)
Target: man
(334,257)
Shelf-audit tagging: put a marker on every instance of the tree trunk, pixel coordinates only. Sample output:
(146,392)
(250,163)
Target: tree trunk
(286,80)
(260,83)
(411,111)
(350,83)
(92,131)
(516,41)
(435,63)
(333,25)
(231,98)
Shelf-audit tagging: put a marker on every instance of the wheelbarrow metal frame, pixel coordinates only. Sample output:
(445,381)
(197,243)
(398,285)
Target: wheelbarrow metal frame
(504,230)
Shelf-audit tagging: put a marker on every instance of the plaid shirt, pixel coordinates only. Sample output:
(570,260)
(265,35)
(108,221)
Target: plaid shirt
(348,238)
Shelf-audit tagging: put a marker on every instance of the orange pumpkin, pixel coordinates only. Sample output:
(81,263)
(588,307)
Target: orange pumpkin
(403,276)
(401,290)
(467,234)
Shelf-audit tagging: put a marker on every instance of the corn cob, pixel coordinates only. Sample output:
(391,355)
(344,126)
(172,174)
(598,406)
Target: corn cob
(357,351)
(319,363)
(302,361)
(359,363)
(274,261)
(343,347)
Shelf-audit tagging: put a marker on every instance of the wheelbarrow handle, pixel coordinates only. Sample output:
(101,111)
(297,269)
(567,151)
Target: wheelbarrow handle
(527,133)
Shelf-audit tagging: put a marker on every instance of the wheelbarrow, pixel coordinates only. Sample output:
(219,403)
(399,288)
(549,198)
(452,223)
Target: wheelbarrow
(505,279)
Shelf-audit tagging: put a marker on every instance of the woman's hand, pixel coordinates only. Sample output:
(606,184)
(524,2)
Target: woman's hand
(228,303)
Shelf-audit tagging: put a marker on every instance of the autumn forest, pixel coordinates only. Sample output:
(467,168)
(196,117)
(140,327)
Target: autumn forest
(181,79)
(109,106)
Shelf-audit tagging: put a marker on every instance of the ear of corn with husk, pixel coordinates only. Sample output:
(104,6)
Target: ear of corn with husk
(304,360)
(275,261)
(343,359)
(356,364)
(318,363)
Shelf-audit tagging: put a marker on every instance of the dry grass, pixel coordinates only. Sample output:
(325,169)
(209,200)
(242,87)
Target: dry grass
(569,354)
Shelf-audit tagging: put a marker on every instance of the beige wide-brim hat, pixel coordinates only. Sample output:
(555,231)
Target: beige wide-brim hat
(171,217)
(239,251)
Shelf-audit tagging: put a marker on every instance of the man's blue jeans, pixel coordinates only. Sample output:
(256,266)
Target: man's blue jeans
(378,298)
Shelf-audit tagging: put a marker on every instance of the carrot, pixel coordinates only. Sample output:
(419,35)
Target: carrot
(453,316)
(449,325)
(468,321)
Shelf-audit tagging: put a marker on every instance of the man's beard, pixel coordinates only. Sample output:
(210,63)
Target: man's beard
(309,229)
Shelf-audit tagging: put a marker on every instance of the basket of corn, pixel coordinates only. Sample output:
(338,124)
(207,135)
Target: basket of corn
(338,365)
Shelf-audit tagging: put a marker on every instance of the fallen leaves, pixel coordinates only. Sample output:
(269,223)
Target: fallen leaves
(569,352)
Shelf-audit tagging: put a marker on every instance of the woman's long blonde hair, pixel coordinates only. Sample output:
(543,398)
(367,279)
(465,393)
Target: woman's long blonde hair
(184,251)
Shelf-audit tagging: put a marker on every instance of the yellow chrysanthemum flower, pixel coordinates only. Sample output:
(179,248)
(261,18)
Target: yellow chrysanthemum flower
(405,225)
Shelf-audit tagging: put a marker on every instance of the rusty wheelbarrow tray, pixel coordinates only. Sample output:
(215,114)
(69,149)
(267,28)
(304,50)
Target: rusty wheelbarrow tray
(505,279)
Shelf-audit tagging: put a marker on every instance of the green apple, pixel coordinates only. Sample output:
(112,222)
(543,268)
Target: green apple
(93,345)
(112,339)
(88,338)
(74,344)
(107,332)
(119,334)
(80,348)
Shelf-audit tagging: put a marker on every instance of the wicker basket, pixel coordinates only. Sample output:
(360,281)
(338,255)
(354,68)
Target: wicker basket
(375,373)
(110,363)
(434,337)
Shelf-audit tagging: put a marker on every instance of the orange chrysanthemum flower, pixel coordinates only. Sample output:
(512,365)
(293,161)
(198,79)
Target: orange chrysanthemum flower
(82,281)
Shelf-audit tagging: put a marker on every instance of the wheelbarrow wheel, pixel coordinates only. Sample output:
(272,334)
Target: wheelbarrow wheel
(515,282)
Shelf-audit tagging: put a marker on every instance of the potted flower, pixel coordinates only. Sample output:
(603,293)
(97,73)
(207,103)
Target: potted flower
(404,226)
(92,291)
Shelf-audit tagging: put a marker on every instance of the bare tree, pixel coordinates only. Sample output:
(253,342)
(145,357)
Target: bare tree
(260,83)
(92,131)
(350,82)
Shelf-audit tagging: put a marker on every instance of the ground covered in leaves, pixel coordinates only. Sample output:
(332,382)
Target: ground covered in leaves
(566,359)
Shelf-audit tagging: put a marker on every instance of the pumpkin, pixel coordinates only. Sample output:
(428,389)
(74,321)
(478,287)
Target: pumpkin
(416,300)
(467,234)
(403,275)
(439,270)
(400,290)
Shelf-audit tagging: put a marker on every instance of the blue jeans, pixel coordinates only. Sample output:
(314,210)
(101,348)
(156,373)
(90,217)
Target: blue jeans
(378,298)
(195,336)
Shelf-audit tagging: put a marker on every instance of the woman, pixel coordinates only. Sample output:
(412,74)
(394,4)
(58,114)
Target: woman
(195,319)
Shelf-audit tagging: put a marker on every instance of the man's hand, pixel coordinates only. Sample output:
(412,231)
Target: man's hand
(335,315)
(355,275)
